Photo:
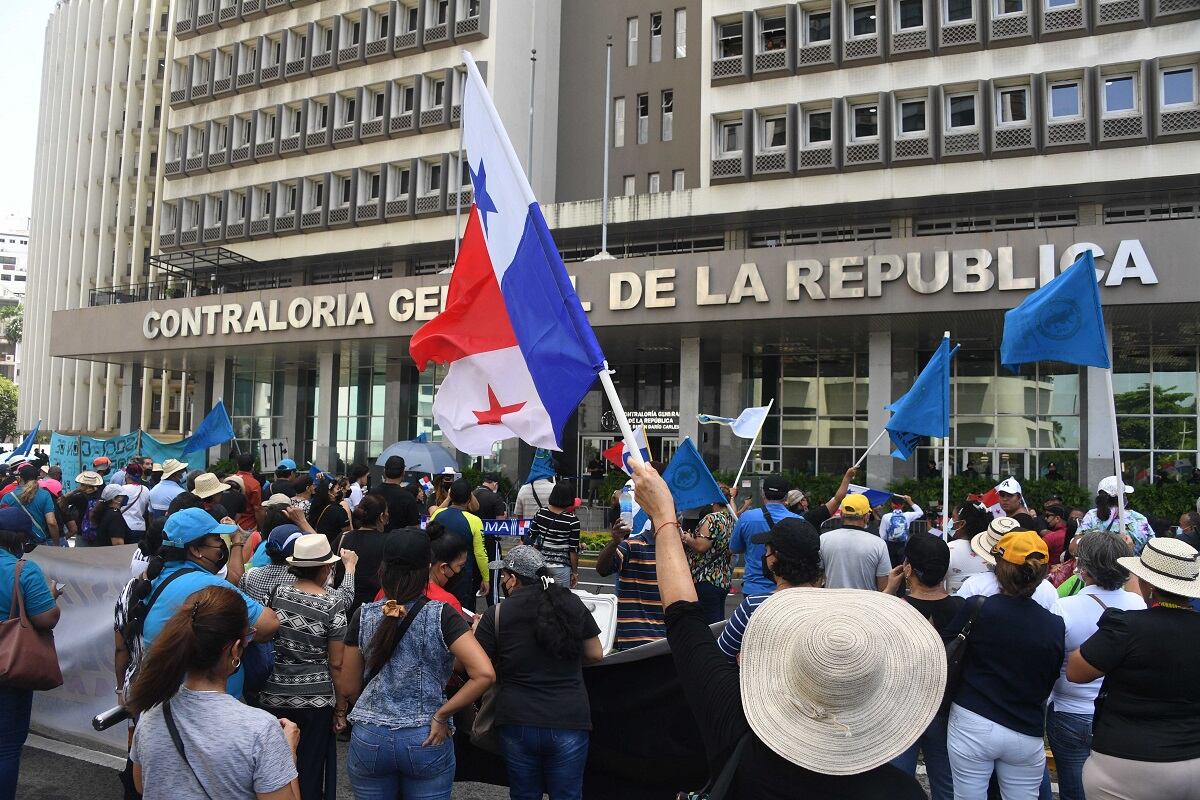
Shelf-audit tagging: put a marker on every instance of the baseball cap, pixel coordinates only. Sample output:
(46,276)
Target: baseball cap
(1009,486)
(928,556)
(99,462)
(283,538)
(856,505)
(408,547)
(1019,546)
(14,519)
(775,487)
(794,498)
(285,464)
(393,467)
(277,500)
(1110,487)
(792,538)
(522,560)
(189,524)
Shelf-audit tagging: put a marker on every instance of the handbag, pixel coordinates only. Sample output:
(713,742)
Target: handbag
(485,734)
(719,787)
(28,659)
(956,655)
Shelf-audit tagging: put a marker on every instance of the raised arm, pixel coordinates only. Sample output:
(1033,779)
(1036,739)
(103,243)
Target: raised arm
(674,575)
(835,502)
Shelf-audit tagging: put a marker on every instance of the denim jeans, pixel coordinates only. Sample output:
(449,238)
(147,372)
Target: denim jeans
(977,746)
(544,760)
(385,764)
(937,761)
(712,600)
(1070,738)
(15,708)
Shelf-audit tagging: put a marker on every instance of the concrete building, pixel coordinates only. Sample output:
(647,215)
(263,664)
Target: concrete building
(805,196)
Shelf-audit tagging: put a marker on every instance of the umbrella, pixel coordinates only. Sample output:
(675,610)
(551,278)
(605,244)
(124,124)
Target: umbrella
(419,456)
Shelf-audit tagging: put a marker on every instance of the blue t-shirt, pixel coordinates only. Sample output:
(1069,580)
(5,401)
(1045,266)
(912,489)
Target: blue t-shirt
(751,524)
(730,640)
(173,597)
(34,589)
(41,505)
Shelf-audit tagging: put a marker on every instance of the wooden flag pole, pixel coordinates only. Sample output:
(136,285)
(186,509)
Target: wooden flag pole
(870,447)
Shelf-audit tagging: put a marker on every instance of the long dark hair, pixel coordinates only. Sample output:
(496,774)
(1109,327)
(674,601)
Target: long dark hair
(368,511)
(102,510)
(1105,503)
(446,546)
(560,617)
(320,500)
(192,641)
(403,584)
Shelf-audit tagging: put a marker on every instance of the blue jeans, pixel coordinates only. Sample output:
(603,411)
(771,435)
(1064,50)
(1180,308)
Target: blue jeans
(1070,738)
(385,764)
(15,708)
(712,601)
(937,761)
(544,760)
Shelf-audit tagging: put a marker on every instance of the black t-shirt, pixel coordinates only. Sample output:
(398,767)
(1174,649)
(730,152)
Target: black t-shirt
(1149,706)
(75,505)
(368,543)
(490,504)
(112,526)
(331,521)
(938,612)
(453,626)
(403,511)
(535,687)
(816,516)
(710,682)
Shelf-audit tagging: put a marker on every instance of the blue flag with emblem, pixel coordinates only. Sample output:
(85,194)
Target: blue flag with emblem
(691,483)
(1062,321)
(924,410)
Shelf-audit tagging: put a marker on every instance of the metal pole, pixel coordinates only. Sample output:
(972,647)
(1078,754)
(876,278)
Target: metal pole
(607,133)
(738,478)
(458,178)
(870,447)
(532,85)
(1116,434)
(635,454)
(946,452)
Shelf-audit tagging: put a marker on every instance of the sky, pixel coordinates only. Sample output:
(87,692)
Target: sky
(22,35)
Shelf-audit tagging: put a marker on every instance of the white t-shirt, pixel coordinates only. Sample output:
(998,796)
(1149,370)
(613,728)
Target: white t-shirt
(893,527)
(1080,613)
(963,564)
(135,510)
(853,559)
(985,584)
(356,495)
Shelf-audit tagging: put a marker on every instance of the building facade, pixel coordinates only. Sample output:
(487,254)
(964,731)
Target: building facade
(804,197)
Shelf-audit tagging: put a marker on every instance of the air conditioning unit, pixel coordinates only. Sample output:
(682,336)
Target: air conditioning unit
(764,467)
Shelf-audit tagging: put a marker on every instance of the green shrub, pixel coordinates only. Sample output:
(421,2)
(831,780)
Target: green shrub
(593,541)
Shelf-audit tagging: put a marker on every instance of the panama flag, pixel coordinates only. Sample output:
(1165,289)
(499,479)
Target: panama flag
(521,353)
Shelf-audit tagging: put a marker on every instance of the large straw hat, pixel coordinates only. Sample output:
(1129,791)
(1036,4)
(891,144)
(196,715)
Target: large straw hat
(1167,564)
(823,672)
(172,466)
(983,542)
(207,485)
(312,550)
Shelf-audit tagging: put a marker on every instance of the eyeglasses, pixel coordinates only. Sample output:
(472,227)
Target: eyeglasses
(249,637)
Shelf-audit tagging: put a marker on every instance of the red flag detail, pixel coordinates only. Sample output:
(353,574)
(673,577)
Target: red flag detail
(494,412)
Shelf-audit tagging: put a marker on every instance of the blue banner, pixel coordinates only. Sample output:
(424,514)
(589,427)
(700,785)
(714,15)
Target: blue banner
(76,453)
(498,527)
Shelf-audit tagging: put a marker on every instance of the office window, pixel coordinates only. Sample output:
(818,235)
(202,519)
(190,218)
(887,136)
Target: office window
(631,41)
(1012,106)
(862,20)
(630,188)
(1119,94)
(643,118)
(653,183)
(866,122)
(1003,7)
(912,116)
(408,98)
(677,180)
(619,122)
(729,139)
(441,12)
(348,110)
(909,14)
(681,33)
(1061,3)
(961,111)
(729,39)
(379,100)
(960,10)
(656,25)
(772,33)
(345,184)
(816,27)
(773,132)
(1064,100)
(668,115)
(411,16)
(433,178)
(1179,86)
(818,126)
(373,186)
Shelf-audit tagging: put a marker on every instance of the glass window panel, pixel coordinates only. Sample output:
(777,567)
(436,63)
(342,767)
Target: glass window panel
(774,34)
(912,116)
(1014,394)
(1011,464)
(800,432)
(974,431)
(835,460)
(818,27)
(962,111)
(1176,465)
(912,14)
(820,126)
(1014,105)
(959,10)
(1118,94)
(1060,3)
(1174,381)
(376,429)
(1064,100)
(800,459)
(1134,432)
(863,20)
(1137,466)
(841,432)
(837,395)
(1066,463)
(1174,433)
(1058,432)
(1058,389)
(866,122)
(1014,431)
(1011,6)
(1179,86)
(1131,381)
(775,132)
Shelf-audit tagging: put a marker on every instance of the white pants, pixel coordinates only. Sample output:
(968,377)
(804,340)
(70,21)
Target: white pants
(978,746)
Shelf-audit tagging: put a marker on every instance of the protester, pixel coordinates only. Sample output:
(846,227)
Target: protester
(491,504)
(108,518)
(1146,741)
(1014,658)
(449,560)
(1012,503)
(796,502)
(539,648)
(792,559)
(329,513)
(1104,516)
(357,476)
(639,606)
(399,654)
(1072,705)
(39,598)
(128,642)
(970,520)
(285,472)
(38,504)
(370,520)
(1063,576)
(1189,528)
(895,524)
(441,484)
(167,489)
(554,531)
(302,492)
(251,516)
(139,500)
(986,584)
(534,493)
(101,466)
(1055,532)
(852,557)
(710,559)
(818,719)
(403,511)
(225,749)
(76,506)
(233,499)
(261,582)
(458,519)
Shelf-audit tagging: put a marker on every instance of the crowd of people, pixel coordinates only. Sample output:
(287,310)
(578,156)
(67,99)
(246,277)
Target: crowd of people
(269,615)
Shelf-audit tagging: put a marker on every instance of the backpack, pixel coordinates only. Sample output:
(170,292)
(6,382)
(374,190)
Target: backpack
(87,527)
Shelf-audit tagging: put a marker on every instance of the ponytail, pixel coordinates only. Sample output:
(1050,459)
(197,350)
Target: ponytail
(560,617)
(193,640)
(368,511)
(401,584)
(29,491)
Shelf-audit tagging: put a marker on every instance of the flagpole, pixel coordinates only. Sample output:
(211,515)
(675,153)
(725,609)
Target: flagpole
(462,125)
(635,453)
(870,447)
(607,127)
(737,481)
(946,445)
(1116,434)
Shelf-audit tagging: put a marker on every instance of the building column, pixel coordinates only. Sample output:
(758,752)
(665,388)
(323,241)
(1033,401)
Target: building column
(395,405)
(147,407)
(217,392)
(323,450)
(164,407)
(689,388)
(290,425)
(1095,427)
(879,394)
(731,448)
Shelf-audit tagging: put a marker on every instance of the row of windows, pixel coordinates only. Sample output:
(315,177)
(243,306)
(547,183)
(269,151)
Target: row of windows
(633,37)
(654,183)
(196,16)
(666,118)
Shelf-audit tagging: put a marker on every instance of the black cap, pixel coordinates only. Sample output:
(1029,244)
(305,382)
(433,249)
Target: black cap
(393,467)
(793,538)
(928,556)
(408,547)
(491,477)
(775,487)
(460,491)
(897,500)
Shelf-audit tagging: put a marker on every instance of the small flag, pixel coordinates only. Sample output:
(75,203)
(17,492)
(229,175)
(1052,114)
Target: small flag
(746,425)
(991,501)
(618,455)
(26,445)
(691,483)
(426,484)
(314,472)
(216,428)
(924,410)
(1062,321)
(876,497)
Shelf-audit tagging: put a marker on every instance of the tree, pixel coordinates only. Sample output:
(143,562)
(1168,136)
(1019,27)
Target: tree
(8,409)
(11,322)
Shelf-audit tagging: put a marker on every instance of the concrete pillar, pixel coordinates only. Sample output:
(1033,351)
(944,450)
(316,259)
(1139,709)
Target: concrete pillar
(218,391)
(323,449)
(395,406)
(733,398)
(147,407)
(164,407)
(1096,427)
(131,399)
(290,427)
(879,394)
(689,388)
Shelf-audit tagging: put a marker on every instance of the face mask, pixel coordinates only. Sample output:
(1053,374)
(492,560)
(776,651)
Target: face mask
(453,580)
(221,560)
(767,572)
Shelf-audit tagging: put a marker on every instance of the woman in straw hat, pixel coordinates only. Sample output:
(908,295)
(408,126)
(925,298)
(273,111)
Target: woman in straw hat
(986,584)
(1015,653)
(814,706)
(1146,730)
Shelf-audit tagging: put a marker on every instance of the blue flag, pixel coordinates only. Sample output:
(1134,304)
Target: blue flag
(26,445)
(1062,321)
(691,483)
(213,430)
(924,410)
(542,466)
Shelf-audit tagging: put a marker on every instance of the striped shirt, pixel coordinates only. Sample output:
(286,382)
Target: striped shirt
(307,624)
(639,605)
(730,640)
(555,535)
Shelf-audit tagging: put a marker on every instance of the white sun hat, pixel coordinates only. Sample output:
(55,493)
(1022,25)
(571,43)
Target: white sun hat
(1167,564)
(983,542)
(822,671)
(1111,487)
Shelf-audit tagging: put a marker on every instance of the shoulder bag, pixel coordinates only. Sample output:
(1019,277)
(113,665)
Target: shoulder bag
(28,659)
(409,617)
(485,734)
(37,526)
(956,655)
(718,788)
(169,718)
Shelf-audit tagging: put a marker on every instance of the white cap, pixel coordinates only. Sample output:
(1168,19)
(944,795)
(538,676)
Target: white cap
(1111,487)
(1009,486)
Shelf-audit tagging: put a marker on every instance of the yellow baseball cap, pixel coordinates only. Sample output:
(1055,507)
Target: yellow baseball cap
(1020,546)
(855,505)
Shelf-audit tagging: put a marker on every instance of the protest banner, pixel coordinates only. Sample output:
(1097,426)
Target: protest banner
(76,453)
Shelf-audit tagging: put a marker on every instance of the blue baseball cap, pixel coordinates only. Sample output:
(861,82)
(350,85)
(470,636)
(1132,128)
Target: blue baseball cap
(283,538)
(286,463)
(14,519)
(189,524)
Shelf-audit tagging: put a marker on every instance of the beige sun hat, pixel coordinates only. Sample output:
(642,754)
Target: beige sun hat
(983,542)
(89,478)
(314,550)
(822,671)
(1167,564)
(172,466)
(208,485)
(277,500)
(237,479)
